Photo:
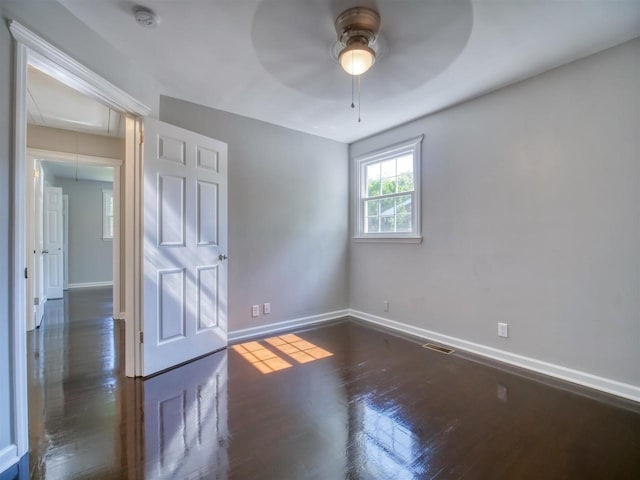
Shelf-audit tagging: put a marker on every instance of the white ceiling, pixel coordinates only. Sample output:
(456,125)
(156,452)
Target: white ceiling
(84,172)
(271,59)
(53,104)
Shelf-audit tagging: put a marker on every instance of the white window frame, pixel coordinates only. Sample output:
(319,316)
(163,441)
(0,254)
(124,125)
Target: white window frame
(106,194)
(411,146)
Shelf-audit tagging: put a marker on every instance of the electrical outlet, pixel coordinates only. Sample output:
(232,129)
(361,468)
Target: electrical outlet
(386,305)
(503,330)
(266,308)
(255,310)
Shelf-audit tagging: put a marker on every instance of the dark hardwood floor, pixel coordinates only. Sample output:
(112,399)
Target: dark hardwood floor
(342,401)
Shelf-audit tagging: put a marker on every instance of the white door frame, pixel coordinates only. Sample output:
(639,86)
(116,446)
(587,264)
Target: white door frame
(30,49)
(65,241)
(116,164)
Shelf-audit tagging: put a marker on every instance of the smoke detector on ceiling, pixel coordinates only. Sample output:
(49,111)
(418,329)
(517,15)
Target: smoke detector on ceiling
(145,16)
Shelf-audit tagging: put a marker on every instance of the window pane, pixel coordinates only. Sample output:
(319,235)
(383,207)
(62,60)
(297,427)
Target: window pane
(110,204)
(387,206)
(403,204)
(372,208)
(372,225)
(373,188)
(110,228)
(373,180)
(403,222)
(405,164)
(405,183)
(388,168)
(387,224)
(389,186)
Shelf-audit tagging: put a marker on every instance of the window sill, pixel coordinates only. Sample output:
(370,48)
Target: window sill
(107,239)
(388,239)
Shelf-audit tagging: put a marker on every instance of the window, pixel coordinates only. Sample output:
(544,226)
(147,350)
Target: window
(388,194)
(107,214)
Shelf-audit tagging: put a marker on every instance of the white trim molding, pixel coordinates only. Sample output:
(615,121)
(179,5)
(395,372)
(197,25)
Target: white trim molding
(614,387)
(90,285)
(273,328)
(19,422)
(74,74)
(8,457)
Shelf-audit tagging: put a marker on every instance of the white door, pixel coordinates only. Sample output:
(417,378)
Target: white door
(38,271)
(52,252)
(185,246)
(185,421)
(65,241)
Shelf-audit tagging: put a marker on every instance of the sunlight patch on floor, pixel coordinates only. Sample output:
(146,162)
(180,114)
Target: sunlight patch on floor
(266,361)
(297,348)
(260,357)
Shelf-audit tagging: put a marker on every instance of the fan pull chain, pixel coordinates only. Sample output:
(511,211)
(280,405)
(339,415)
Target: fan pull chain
(352,92)
(359,102)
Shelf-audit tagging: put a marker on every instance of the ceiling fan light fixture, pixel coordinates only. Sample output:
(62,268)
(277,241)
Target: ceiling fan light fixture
(357,29)
(356,59)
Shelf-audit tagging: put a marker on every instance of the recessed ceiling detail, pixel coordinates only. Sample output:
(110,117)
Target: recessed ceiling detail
(51,103)
(276,60)
(421,40)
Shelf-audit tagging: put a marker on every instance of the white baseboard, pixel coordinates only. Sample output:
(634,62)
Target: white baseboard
(8,457)
(90,284)
(272,328)
(625,390)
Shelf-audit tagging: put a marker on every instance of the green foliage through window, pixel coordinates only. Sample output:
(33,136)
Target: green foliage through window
(389,178)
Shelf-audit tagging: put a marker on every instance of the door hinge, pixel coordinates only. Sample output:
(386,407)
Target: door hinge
(26,272)
(141,337)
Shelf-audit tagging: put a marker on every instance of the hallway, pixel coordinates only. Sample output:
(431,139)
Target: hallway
(74,386)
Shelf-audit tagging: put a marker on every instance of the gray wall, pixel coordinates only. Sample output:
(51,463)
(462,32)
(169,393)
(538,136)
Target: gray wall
(531,216)
(288,215)
(90,257)
(6,139)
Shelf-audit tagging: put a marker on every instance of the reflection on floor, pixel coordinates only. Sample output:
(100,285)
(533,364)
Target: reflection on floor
(364,405)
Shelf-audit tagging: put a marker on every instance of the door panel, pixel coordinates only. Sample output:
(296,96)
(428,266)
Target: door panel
(171,219)
(185,235)
(53,243)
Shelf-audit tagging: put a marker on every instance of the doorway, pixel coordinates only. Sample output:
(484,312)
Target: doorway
(33,51)
(182,190)
(73,195)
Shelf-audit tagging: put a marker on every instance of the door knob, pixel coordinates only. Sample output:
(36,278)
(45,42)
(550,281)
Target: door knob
(222,256)
(44,252)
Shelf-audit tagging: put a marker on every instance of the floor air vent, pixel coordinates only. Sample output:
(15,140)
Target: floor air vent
(438,348)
